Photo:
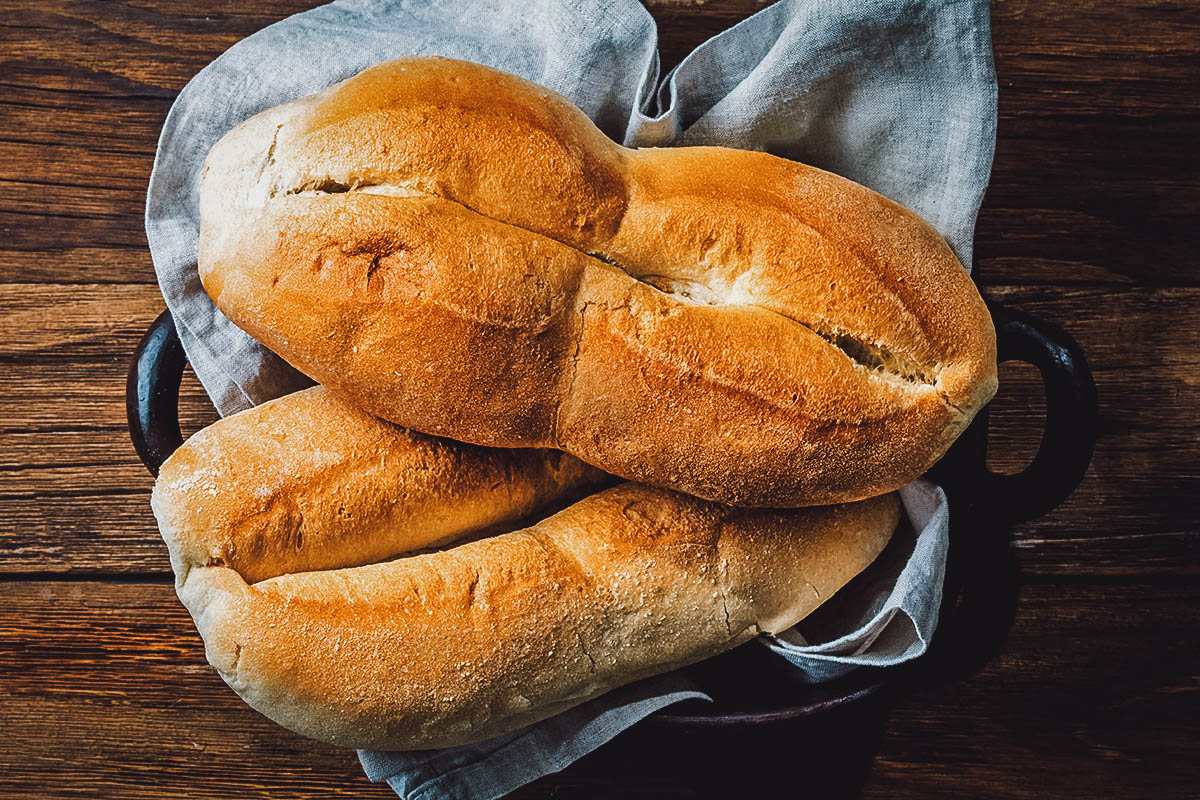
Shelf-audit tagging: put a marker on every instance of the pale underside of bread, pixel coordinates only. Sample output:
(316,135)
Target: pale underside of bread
(463,252)
(456,646)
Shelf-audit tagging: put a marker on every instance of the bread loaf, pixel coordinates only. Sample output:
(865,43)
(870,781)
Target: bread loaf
(444,648)
(306,482)
(462,252)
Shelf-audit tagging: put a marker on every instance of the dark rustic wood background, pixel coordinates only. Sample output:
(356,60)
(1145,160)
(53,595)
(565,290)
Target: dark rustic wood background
(1091,220)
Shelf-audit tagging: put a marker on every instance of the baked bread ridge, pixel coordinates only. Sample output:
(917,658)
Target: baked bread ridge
(579,281)
(307,482)
(456,646)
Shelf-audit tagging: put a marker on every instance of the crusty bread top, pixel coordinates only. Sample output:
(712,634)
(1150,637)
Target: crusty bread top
(463,252)
(452,647)
(306,482)
(300,531)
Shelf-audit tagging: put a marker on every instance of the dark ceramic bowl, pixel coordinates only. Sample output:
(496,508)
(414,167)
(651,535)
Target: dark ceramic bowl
(980,583)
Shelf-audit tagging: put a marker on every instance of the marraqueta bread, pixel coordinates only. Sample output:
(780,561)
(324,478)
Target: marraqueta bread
(463,252)
(306,482)
(458,645)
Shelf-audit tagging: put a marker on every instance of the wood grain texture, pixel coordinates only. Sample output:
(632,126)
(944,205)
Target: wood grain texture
(1095,145)
(1075,703)
(1092,219)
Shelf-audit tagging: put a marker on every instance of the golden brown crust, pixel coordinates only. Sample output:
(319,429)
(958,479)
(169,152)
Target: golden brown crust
(306,482)
(435,649)
(440,243)
(448,648)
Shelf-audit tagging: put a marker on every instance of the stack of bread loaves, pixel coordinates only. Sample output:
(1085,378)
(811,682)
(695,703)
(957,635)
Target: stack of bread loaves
(763,351)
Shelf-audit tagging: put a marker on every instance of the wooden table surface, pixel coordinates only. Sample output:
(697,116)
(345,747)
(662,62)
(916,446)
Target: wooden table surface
(1091,220)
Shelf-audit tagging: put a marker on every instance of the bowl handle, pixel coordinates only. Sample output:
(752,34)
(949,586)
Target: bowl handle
(152,393)
(1068,438)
